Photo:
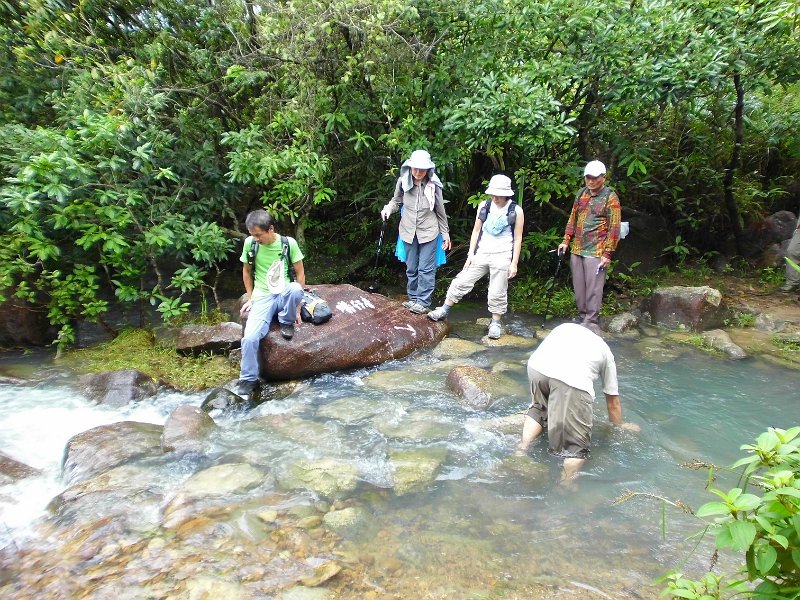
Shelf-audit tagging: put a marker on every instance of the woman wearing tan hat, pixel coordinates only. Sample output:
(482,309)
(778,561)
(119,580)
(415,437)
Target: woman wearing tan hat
(494,248)
(419,192)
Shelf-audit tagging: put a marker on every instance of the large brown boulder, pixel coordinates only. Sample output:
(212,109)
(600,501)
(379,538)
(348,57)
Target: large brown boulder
(102,448)
(680,307)
(366,330)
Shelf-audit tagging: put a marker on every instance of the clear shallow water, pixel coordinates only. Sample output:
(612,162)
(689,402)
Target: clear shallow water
(487,526)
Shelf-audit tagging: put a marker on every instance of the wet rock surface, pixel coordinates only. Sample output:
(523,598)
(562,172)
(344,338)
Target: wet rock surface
(414,470)
(101,448)
(186,429)
(328,477)
(118,388)
(719,340)
(14,470)
(623,323)
(478,388)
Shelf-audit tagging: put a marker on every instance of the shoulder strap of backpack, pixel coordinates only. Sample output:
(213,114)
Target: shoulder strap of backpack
(285,256)
(252,252)
(484,212)
(511,215)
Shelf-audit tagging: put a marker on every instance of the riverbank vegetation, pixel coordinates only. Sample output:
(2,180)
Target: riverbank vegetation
(134,137)
(759,520)
(137,349)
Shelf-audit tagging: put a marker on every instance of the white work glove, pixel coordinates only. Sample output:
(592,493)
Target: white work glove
(385,214)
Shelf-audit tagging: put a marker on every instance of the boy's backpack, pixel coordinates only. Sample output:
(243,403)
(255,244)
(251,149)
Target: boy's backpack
(314,309)
(511,217)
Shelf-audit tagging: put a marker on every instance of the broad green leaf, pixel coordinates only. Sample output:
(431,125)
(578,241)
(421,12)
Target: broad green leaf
(680,593)
(765,557)
(713,508)
(737,535)
(746,502)
(780,540)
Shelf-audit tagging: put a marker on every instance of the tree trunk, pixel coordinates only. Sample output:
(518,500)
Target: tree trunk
(727,182)
(300,229)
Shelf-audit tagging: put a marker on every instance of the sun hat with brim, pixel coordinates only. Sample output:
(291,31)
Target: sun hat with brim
(420,159)
(594,169)
(276,282)
(499,185)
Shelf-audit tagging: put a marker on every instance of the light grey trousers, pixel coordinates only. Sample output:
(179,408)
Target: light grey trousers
(496,265)
(588,284)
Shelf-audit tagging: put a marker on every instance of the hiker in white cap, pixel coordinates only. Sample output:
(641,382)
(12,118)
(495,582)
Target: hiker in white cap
(419,193)
(591,235)
(494,248)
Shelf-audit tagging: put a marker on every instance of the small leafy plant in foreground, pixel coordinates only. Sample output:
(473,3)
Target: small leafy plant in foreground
(761,520)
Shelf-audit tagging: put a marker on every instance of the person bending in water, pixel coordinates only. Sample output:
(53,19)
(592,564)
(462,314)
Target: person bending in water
(562,372)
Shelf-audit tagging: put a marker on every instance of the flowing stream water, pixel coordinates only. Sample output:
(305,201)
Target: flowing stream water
(486,524)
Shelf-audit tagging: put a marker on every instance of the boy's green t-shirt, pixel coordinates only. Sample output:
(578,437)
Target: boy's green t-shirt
(268,254)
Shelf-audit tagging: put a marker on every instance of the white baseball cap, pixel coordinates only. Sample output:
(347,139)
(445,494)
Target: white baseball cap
(594,169)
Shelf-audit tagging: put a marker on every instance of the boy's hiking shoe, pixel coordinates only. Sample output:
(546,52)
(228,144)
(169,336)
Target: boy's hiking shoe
(438,314)
(408,304)
(495,330)
(245,387)
(287,330)
(417,308)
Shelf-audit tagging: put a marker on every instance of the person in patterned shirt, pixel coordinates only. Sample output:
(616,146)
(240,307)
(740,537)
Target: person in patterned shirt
(591,235)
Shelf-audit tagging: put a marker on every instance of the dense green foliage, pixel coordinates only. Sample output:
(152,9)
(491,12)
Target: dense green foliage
(135,136)
(759,519)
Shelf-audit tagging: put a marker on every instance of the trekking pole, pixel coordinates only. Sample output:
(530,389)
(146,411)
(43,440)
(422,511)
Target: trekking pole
(380,243)
(552,286)
(373,287)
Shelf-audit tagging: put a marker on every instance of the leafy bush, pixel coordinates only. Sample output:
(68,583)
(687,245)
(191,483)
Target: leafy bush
(760,520)
(741,319)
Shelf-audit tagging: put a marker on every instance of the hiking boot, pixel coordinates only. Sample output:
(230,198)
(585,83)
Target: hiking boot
(408,304)
(495,330)
(418,309)
(577,321)
(788,288)
(287,330)
(438,314)
(245,387)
